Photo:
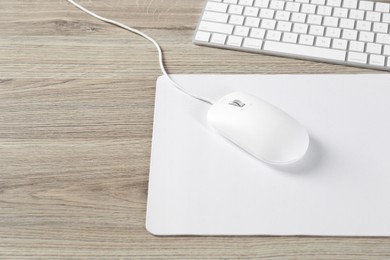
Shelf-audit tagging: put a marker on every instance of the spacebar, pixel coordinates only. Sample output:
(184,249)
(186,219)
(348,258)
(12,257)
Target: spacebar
(303,50)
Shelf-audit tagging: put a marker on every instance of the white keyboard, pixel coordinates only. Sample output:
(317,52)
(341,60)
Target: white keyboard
(348,32)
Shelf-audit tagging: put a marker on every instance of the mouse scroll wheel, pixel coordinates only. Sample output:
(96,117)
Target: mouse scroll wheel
(237,103)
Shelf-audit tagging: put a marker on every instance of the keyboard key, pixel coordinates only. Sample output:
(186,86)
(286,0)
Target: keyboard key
(298,17)
(352,4)
(339,44)
(216,27)
(267,13)
(349,34)
(331,21)
(231,1)
(252,22)
(333,32)
(366,36)
(381,27)
(373,16)
(215,17)
(268,24)
(262,3)
(356,46)
(386,50)
(374,48)
(357,57)
(276,4)
(218,38)
(246,2)
(318,2)
(356,14)
(202,36)
(366,5)
(273,35)
(383,38)
(216,7)
(234,41)
(306,39)
(316,30)
(382,7)
(308,8)
(257,33)
(324,10)
(300,28)
(363,25)
(334,2)
(284,26)
(378,60)
(347,23)
(282,15)
(251,11)
(236,19)
(314,19)
(386,18)
(253,43)
(323,42)
(290,37)
(235,9)
(241,31)
(340,12)
(309,51)
(293,6)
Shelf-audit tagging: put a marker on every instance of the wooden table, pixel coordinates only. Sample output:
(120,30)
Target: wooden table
(76,110)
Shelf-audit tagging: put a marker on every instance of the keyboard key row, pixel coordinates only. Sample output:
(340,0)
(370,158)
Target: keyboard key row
(288,46)
(304,39)
(300,28)
(351,4)
(291,8)
(296,17)
(365,34)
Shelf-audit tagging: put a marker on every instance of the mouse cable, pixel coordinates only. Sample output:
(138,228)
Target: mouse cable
(158,47)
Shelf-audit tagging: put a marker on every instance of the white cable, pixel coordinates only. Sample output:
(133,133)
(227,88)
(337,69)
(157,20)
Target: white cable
(158,47)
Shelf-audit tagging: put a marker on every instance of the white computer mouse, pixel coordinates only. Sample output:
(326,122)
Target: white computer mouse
(261,129)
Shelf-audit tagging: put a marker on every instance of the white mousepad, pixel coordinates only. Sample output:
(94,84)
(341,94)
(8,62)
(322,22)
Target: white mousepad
(201,184)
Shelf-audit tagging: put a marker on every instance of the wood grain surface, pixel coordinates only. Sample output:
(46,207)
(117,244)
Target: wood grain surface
(76,109)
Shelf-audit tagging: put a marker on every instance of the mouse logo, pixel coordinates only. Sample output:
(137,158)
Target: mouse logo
(237,103)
